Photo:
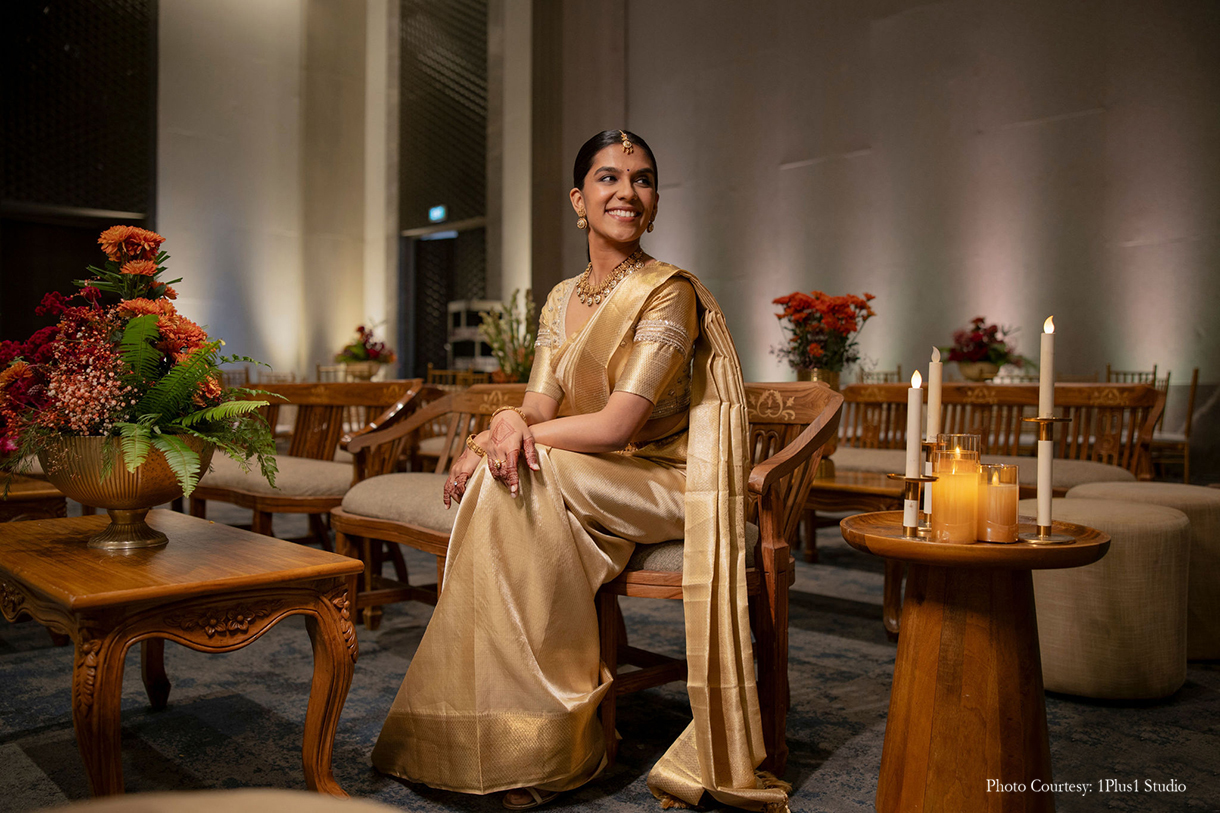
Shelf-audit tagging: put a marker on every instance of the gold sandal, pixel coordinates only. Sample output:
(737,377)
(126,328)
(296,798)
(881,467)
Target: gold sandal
(538,799)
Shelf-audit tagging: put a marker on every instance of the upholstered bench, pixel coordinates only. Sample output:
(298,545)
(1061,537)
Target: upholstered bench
(1067,473)
(1202,507)
(1116,629)
(245,800)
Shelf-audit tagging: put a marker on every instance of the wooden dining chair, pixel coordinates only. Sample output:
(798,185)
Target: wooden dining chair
(789,425)
(1130,376)
(235,377)
(1173,448)
(880,376)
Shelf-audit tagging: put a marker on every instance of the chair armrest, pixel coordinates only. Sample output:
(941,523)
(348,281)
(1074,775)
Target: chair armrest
(806,444)
(384,434)
(390,415)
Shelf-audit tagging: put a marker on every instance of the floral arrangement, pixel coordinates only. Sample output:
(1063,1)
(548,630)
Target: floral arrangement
(122,362)
(511,334)
(822,329)
(983,342)
(365,348)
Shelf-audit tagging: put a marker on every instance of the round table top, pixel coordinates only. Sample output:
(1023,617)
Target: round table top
(880,533)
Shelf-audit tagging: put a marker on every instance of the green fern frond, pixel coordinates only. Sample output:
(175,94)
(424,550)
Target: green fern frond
(135,443)
(182,459)
(220,412)
(136,347)
(174,391)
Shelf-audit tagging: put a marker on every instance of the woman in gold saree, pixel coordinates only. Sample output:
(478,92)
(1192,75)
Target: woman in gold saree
(502,693)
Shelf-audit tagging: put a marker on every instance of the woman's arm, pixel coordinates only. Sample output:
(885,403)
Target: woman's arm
(609,430)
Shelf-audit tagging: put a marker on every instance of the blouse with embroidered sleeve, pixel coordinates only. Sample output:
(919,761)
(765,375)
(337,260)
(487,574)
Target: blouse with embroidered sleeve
(660,361)
(550,337)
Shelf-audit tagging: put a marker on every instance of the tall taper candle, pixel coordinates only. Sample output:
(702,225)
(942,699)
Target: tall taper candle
(910,508)
(1046,409)
(935,376)
(1046,370)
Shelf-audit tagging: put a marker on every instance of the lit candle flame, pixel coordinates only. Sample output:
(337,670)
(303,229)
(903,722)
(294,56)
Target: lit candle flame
(916,380)
(935,354)
(1049,325)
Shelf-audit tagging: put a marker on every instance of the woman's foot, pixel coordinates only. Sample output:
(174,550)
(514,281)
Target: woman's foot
(528,798)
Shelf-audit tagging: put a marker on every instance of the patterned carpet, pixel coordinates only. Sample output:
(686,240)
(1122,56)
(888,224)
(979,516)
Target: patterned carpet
(235,720)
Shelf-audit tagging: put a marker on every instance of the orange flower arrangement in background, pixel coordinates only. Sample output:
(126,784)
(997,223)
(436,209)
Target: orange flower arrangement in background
(822,329)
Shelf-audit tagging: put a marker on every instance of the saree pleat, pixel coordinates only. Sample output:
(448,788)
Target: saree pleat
(503,690)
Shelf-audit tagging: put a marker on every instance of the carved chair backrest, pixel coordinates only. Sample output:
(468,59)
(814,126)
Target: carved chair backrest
(322,408)
(455,380)
(461,413)
(1111,423)
(235,377)
(881,376)
(779,413)
(1130,376)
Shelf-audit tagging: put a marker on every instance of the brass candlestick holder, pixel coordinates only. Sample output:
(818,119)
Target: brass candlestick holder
(925,504)
(912,490)
(1044,536)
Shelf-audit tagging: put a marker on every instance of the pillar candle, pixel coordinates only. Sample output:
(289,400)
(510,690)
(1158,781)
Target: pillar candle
(956,492)
(910,508)
(997,519)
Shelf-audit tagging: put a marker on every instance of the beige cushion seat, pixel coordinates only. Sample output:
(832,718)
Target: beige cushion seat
(297,477)
(1067,473)
(1202,507)
(1116,629)
(410,497)
(667,556)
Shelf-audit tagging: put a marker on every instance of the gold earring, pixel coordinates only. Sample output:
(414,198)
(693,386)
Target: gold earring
(581,222)
(650,222)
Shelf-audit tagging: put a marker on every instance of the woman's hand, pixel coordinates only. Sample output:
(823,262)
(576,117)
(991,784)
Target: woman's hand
(510,437)
(459,473)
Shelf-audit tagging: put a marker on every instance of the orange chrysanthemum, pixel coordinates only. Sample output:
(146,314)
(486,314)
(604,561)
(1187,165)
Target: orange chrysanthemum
(170,293)
(141,307)
(143,268)
(122,243)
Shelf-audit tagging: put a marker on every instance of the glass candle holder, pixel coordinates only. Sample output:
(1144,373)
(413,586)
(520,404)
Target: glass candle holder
(963,443)
(997,511)
(955,495)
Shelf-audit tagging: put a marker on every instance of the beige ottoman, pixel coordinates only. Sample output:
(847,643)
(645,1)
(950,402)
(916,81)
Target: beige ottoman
(1202,507)
(1116,629)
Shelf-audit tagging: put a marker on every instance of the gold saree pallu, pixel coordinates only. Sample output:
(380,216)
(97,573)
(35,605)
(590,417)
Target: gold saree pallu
(504,688)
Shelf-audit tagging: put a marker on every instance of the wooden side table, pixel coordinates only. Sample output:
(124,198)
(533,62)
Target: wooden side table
(213,588)
(967,703)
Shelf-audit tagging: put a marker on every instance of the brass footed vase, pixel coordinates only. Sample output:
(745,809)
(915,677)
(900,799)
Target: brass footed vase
(75,466)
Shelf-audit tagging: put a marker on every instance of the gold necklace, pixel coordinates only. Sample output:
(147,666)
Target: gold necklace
(594,296)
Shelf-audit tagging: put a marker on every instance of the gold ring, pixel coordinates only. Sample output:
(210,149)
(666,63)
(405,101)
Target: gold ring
(498,464)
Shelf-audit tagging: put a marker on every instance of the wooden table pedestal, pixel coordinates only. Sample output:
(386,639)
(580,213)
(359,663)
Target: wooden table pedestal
(966,729)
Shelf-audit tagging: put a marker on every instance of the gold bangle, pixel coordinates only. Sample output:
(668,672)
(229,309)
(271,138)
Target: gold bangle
(514,409)
(474,447)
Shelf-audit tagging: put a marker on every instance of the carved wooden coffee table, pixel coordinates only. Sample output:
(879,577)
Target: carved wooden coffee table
(213,588)
(967,704)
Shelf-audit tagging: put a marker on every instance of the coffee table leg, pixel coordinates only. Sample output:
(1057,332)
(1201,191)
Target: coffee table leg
(97,688)
(334,659)
(152,670)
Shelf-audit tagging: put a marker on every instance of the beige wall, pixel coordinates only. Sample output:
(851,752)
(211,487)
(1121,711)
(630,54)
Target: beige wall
(955,158)
(260,171)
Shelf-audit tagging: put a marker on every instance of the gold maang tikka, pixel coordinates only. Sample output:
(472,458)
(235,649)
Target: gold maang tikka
(628,147)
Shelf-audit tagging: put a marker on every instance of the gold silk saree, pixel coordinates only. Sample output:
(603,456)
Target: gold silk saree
(504,688)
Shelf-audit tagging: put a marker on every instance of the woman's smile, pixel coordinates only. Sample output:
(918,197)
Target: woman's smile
(623,213)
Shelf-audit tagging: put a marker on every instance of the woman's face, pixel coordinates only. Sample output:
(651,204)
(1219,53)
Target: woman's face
(619,197)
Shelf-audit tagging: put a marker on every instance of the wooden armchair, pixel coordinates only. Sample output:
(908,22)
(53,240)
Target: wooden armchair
(789,425)
(406,508)
(310,481)
(1130,376)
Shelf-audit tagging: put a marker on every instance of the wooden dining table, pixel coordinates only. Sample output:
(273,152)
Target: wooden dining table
(212,588)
